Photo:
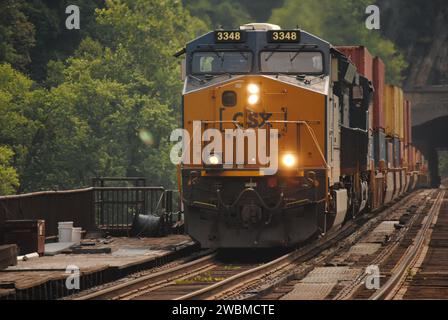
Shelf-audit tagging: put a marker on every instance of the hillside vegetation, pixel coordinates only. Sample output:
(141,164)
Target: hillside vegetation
(102,100)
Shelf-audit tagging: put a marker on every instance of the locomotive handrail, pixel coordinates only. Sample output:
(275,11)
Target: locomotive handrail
(236,123)
(295,121)
(312,134)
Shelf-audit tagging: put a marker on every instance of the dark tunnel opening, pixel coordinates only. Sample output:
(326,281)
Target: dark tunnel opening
(432,139)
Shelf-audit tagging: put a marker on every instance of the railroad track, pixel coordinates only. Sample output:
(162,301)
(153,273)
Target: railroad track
(423,266)
(335,274)
(212,278)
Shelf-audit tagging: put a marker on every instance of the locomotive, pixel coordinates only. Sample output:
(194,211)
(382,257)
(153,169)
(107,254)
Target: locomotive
(343,137)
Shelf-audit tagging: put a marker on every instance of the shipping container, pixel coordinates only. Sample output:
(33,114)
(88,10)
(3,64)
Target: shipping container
(406,156)
(396,153)
(402,154)
(413,157)
(361,57)
(389,153)
(399,120)
(418,160)
(393,97)
(408,123)
(389,101)
(378,96)
(405,123)
(380,152)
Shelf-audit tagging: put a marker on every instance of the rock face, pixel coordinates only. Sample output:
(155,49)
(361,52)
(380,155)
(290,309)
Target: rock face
(419,28)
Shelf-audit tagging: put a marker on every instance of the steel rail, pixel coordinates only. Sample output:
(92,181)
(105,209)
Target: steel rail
(411,255)
(154,279)
(241,278)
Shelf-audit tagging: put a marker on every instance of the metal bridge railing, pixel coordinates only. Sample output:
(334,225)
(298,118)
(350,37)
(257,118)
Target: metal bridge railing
(106,208)
(116,207)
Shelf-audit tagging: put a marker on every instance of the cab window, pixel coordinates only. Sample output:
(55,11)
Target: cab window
(291,62)
(216,62)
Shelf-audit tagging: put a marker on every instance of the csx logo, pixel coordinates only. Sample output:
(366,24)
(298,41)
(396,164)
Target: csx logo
(254,119)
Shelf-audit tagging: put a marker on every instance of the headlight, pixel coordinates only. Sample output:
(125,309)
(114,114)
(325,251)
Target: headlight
(214,160)
(253,88)
(289,160)
(253,98)
(254,93)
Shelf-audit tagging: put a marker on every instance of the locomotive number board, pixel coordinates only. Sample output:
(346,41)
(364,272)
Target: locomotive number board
(230,36)
(290,36)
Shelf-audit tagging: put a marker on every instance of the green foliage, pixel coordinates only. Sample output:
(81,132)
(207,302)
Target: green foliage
(52,40)
(109,108)
(16,34)
(8,175)
(215,13)
(17,114)
(146,35)
(341,23)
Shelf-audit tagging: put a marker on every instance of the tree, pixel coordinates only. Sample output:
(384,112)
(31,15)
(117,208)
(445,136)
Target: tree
(16,34)
(112,105)
(8,175)
(53,41)
(18,117)
(215,13)
(341,23)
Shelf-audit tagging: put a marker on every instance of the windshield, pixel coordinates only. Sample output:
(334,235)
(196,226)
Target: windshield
(291,62)
(216,62)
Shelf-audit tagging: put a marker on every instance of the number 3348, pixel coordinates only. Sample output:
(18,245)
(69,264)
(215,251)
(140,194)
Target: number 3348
(284,36)
(223,36)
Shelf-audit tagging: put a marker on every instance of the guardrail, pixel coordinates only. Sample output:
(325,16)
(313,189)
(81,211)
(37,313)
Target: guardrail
(51,206)
(116,207)
(106,208)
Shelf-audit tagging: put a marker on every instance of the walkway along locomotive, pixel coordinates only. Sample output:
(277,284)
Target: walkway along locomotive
(344,142)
